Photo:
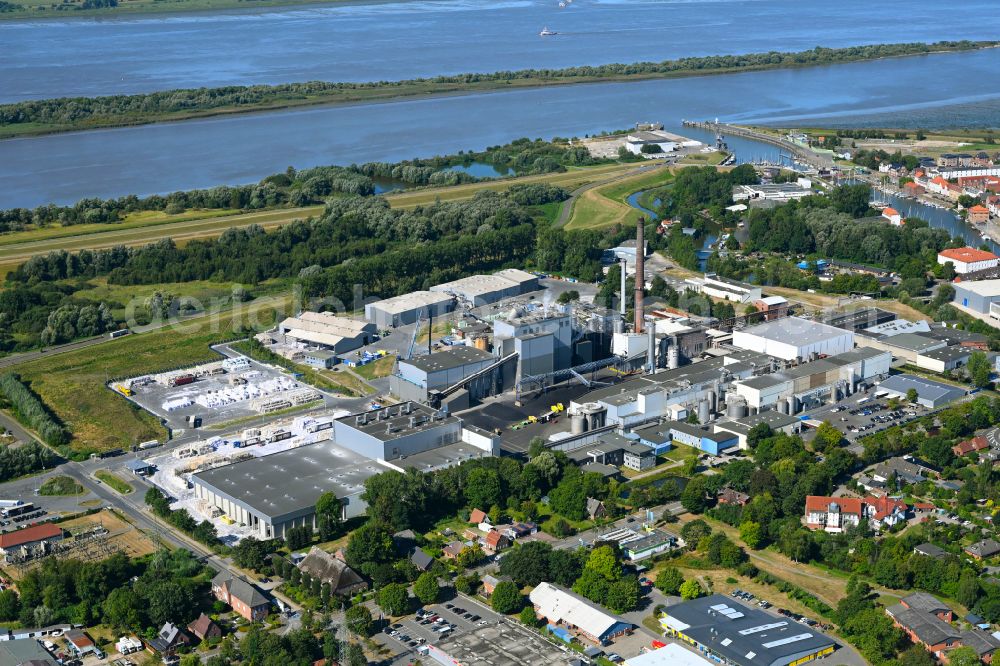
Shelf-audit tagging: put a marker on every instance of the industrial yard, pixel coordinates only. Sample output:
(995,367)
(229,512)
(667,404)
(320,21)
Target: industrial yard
(218,392)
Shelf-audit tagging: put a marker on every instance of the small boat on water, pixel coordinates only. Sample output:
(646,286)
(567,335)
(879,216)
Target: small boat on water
(547,33)
(562,5)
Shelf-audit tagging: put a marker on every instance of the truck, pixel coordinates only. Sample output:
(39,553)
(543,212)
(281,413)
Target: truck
(6,504)
(119,333)
(322,424)
(151,444)
(181,380)
(279,435)
(19,510)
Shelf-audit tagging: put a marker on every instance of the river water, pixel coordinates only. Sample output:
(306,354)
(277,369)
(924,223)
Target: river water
(356,41)
(238,149)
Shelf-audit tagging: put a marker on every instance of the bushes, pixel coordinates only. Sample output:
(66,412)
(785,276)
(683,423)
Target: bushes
(30,411)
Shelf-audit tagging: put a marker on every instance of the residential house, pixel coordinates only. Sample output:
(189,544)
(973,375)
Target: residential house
(478,516)
(490,583)
(730,496)
(984,549)
(204,628)
(930,550)
(838,514)
(342,579)
(453,550)
(927,622)
(978,214)
(494,542)
(968,446)
(169,638)
(420,559)
(596,508)
(245,599)
(893,216)
(516,531)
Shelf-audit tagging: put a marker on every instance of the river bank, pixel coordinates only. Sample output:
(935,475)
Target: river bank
(36,118)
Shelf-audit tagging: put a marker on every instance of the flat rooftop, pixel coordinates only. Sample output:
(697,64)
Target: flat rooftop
(441,457)
(742,634)
(412,301)
(452,357)
(795,330)
(389,423)
(286,482)
(926,388)
(773,419)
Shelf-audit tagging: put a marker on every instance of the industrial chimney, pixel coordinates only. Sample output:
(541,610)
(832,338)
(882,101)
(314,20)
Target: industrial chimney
(640,271)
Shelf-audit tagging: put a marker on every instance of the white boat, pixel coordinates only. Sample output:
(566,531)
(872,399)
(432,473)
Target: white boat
(547,33)
(562,5)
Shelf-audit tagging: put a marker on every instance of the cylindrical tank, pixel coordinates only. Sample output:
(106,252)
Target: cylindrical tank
(703,412)
(736,407)
(713,401)
(673,355)
(791,405)
(577,424)
(594,415)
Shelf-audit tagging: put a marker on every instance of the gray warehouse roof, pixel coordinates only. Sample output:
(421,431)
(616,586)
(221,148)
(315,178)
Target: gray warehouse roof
(412,301)
(927,389)
(453,357)
(773,419)
(801,331)
(290,481)
(390,423)
(744,635)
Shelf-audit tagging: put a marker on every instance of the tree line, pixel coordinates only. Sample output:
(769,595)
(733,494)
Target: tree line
(89,112)
(27,458)
(30,411)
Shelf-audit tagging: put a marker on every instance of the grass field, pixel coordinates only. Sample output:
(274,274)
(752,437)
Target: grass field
(60,485)
(16,248)
(568,180)
(606,204)
(115,482)
(72,384)
(380,368)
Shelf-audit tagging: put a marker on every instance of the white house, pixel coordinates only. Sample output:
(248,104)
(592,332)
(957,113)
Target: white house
(968,259)
(893,216)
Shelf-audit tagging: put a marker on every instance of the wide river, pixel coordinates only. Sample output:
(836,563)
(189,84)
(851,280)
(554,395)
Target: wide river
(398,39)
(924,91)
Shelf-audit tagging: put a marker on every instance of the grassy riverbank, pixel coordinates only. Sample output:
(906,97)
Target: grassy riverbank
(72,114)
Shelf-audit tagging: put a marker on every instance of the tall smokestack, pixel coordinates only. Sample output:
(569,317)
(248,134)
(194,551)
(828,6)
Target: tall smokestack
(623,298)
(640,270)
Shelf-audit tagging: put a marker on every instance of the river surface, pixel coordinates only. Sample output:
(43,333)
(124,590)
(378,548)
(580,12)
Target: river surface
(238,149)
(371,41)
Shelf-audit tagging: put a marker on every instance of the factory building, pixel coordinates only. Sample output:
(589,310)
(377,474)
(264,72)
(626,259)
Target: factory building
(260,493)
(400,430)
(327,331)
(826,380)
(420,377)
(543,340)
(930,394)
(614,450)
(408,308)
(779,192)
(857,321)
(732,633)
(741,427)
(698,388)
(701,437)
(794,339)
(720,287)
(982,296)
(484,289)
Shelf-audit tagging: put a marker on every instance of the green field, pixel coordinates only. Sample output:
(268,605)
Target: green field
(606,205)
(49,9)
(60,485)
(115,482)
(375,369)
(72,384)
(141,229)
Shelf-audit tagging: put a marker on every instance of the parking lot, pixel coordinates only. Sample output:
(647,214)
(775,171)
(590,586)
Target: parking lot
(429,626)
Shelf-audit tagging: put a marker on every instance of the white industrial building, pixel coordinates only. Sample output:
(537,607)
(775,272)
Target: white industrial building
(666,141)
(671,654)
(326,330)
(968,259)
(419,377)
(484,289)
(771,192)
(542,339)
(720,287)
(741,427)
(408,308)
(697,387)
(794,339)
(829,379)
